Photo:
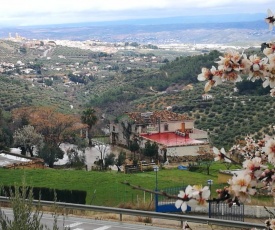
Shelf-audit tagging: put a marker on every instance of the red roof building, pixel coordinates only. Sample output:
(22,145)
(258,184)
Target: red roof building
(171,131)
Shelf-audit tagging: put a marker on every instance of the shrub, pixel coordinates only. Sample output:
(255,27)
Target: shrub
(26,216)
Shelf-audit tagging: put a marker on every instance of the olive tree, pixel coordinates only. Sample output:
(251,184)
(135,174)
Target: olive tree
(27,139)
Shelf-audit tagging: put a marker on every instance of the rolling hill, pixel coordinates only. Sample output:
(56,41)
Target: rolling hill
(228,117)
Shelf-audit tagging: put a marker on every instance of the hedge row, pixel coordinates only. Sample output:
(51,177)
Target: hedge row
(67,196)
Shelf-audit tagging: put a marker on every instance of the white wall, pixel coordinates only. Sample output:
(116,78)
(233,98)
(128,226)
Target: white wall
(202,135)
(183,150)
(172,127)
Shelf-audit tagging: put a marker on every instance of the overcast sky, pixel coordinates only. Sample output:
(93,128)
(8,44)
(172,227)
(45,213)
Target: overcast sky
(33,12)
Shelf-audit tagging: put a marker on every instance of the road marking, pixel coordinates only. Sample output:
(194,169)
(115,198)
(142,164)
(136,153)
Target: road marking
(103,228)
(73,225)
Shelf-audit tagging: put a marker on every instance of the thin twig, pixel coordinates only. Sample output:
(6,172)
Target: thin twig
(233,161)
(162,193)
(270,212)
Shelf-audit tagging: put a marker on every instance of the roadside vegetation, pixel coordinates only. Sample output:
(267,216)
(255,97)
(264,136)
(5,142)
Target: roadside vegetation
(26,215)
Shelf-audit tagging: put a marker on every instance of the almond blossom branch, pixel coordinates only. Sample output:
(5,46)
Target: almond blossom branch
(162,193)
(193,195)
(232,161)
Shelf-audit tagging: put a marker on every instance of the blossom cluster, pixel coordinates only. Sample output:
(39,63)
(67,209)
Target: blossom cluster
(233,65)
(257,158)
(192,196)
(256,155)
(270,223)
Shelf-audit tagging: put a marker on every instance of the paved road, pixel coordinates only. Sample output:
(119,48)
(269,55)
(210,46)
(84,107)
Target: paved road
(76,223)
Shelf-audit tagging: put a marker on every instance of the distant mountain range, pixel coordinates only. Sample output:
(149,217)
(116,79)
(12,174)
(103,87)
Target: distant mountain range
(167,20)
(231,28)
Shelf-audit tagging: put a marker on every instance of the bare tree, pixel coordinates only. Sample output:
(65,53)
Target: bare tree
(102,147)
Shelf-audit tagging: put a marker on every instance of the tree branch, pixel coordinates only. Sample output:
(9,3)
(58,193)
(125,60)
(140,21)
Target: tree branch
(232,161)
(271,213)
(162,193)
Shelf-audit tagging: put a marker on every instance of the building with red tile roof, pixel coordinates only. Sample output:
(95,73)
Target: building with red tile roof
(173,132)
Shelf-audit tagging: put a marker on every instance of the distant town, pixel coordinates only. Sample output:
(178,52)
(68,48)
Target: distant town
(100,46)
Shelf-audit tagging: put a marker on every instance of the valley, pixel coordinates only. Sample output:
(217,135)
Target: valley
(120,77)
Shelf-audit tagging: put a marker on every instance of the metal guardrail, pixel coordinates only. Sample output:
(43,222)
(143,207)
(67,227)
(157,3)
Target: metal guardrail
(121,211)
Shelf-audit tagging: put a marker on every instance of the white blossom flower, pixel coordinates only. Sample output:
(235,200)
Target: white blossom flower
(220,155)
(270,19)
(270,76)
(245,64)
(270,224)
(230,61)
(253,164)
(205,75)
(258,68)
(269,149)
(217,75)
(272,92)
(213,76)
(233,76)
(254,167)
(209,76)
(184,195)
(240,181)
(242,186)
(270,49)
(201,194)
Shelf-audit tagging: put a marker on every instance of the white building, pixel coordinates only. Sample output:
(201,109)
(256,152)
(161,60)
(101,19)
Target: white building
(174,133)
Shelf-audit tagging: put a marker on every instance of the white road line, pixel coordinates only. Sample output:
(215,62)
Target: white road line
(73,225)
(103,228)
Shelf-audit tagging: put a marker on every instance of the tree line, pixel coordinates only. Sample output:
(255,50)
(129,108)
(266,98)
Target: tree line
(41,130)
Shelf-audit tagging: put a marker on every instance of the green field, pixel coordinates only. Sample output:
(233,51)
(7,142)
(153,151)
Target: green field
(105,188)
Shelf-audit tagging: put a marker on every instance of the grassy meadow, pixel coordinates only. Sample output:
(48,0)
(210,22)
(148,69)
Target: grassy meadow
(105,188)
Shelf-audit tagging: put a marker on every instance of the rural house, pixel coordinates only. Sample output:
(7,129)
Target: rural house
(174,133)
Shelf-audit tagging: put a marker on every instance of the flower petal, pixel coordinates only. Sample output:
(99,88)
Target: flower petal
(184,207)
(181,194)
(216,150)
(178,204)
(206,194)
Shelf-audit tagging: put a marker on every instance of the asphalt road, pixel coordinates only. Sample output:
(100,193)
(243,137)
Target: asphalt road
(77,223)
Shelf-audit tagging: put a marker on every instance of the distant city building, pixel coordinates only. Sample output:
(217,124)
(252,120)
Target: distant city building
(17,37)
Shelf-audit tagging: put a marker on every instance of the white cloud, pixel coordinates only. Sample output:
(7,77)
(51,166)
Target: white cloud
(61,11)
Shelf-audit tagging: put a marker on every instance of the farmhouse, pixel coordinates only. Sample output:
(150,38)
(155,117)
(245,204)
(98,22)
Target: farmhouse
(174,133)
(207,97)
